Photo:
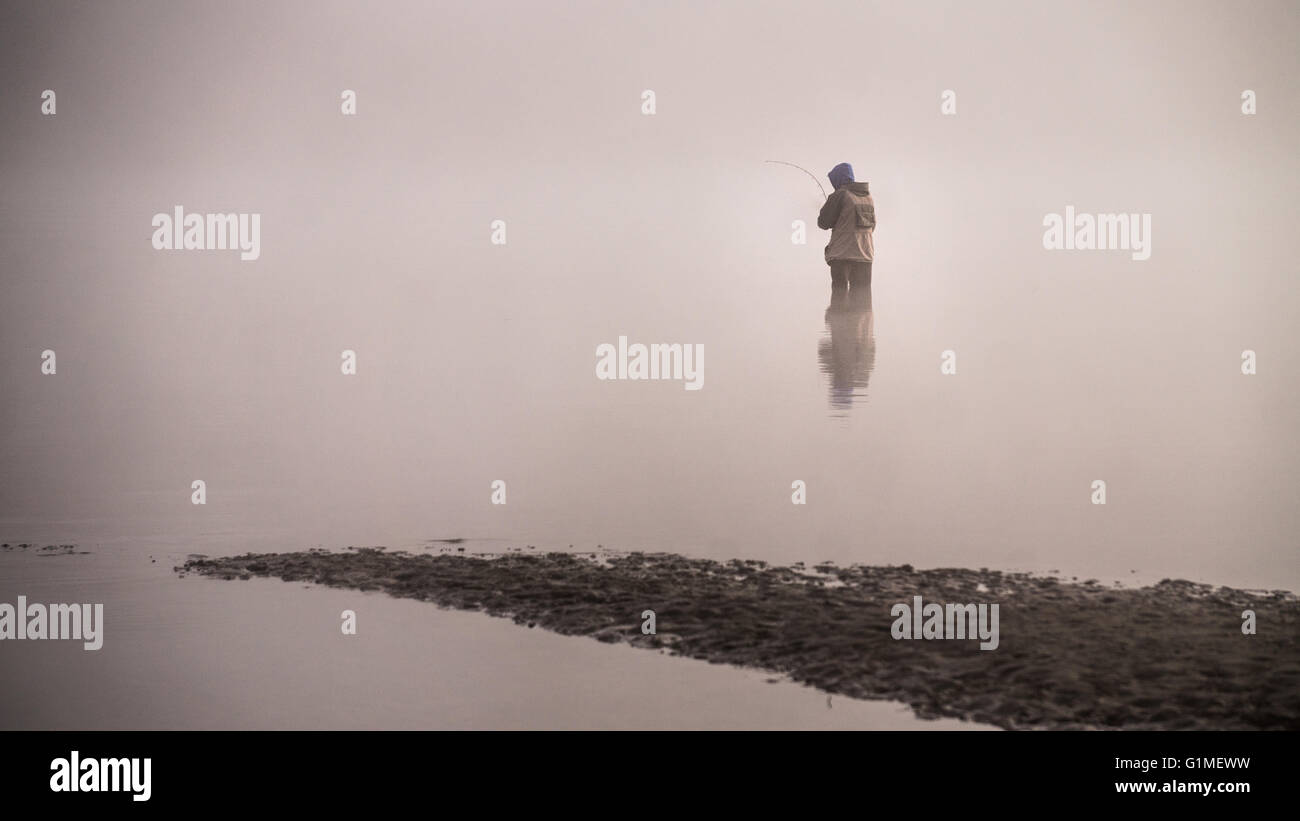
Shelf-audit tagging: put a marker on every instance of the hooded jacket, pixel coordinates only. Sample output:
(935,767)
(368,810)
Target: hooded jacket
(850,214)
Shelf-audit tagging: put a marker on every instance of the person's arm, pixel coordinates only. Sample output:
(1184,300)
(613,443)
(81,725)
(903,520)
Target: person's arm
(830,211)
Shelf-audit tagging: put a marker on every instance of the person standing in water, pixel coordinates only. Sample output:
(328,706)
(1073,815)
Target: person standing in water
(850,215)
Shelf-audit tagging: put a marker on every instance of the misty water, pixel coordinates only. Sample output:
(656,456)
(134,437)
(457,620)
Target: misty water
(476,362)
(1059,383)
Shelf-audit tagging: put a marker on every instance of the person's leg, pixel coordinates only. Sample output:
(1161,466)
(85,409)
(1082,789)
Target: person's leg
(861,275)
(839,273)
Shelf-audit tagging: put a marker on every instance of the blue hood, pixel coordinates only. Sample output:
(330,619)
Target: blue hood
(841,175)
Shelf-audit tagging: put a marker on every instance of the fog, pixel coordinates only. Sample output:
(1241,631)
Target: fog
(476,362)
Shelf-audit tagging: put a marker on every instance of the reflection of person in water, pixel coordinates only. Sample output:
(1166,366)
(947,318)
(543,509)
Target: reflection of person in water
(848,351)
(850,215)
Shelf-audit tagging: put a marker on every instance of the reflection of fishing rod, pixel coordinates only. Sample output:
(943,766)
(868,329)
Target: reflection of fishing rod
(804,170)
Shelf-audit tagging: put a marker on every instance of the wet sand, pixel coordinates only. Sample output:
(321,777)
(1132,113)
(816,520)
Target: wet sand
(1071,655)
(191,654)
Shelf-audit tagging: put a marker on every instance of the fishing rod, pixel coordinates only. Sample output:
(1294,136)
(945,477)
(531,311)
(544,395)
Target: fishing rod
(804,170)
